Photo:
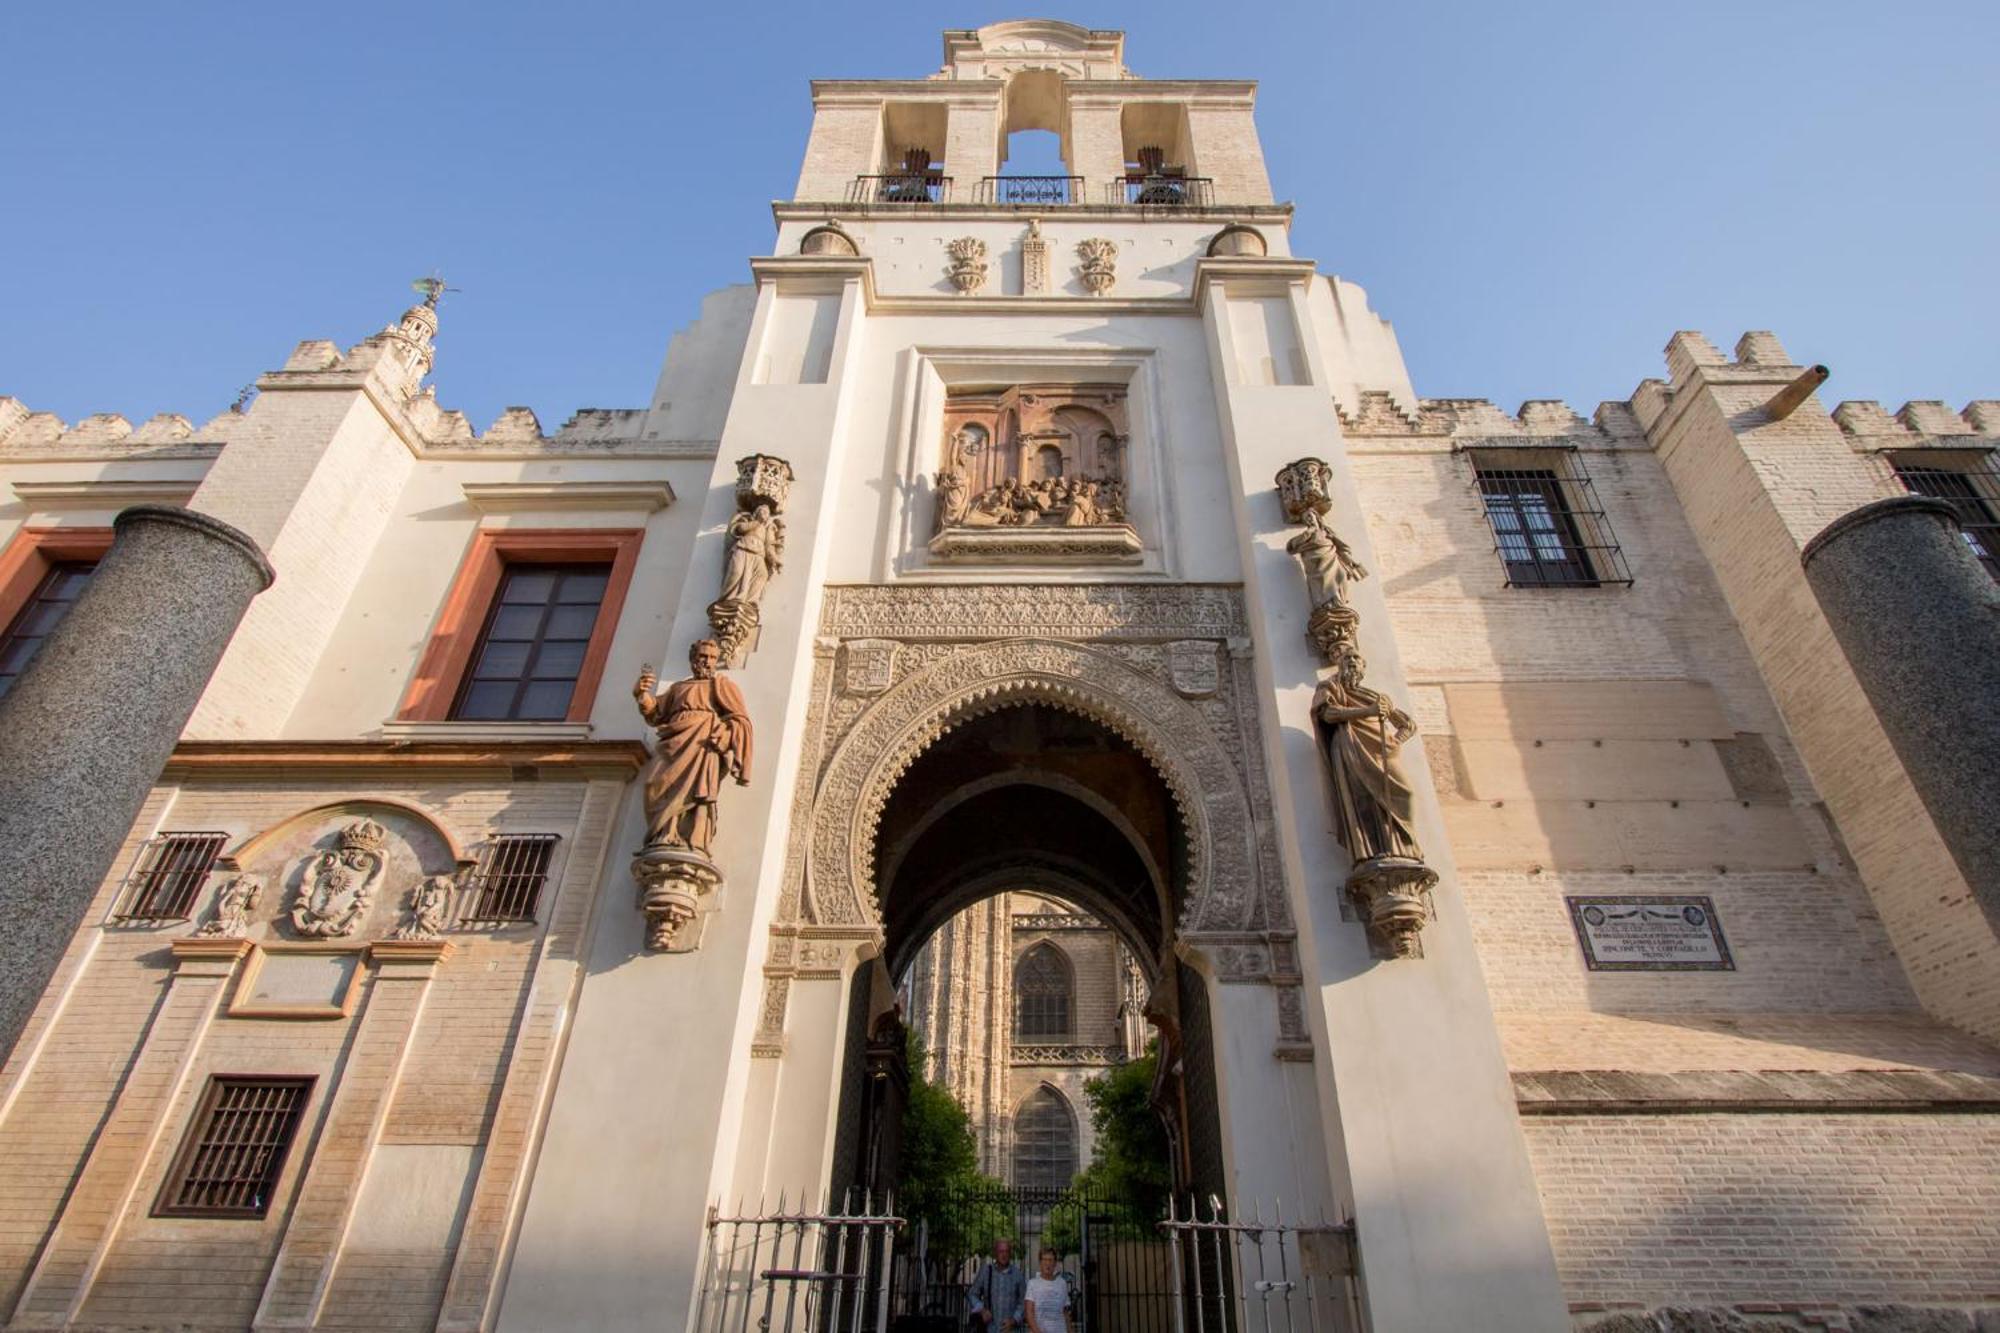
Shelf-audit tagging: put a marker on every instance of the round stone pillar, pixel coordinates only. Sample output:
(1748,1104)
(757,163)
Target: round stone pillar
(88,726)
(1918,617)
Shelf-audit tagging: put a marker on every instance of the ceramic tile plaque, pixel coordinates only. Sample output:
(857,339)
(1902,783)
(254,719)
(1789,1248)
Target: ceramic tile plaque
(1650,934)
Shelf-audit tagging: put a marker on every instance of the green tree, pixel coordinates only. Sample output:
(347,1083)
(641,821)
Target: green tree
(1131,1166)
(941,1184)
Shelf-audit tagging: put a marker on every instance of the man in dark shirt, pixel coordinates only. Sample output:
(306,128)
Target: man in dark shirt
(996,1296)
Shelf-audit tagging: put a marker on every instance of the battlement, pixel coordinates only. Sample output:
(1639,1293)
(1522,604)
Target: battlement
(518,430)
(1538,421)
(24,432)
(1918,422)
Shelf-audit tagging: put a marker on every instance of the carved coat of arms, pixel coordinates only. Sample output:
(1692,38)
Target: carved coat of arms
(338,885)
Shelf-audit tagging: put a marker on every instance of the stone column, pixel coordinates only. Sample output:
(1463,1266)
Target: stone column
(1918,618)
(89,725)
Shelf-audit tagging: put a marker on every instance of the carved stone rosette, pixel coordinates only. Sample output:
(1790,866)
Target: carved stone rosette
(672,882)
(967,270)
(1099,269)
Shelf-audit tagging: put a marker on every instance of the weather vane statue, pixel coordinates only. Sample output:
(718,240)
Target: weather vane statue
(430,288)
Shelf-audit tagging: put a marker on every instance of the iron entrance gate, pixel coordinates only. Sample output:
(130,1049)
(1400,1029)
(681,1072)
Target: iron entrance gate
(1112,1250)
(883,1268)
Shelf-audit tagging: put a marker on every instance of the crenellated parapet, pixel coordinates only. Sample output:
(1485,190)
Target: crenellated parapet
(45,436)
(1456,422)
(1919,424)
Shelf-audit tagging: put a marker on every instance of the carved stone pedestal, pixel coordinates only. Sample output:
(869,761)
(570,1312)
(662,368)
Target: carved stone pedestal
(1041,544)
(672,883)
(1393,895)
(1331,628)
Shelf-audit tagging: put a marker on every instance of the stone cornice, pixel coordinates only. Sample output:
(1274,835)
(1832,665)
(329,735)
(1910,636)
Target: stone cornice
(223,760)
(1211,270)
(807,210)
(1877,1091)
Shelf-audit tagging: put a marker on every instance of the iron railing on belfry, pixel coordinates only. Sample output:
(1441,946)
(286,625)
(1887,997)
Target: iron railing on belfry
(785,1271)
(900,189)
(1164,191)
(1039,191)
(1259,1276)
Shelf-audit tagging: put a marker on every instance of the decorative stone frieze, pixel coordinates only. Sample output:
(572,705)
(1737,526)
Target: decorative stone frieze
(339,885)
(756,549)
(1099,267)
(703,731)
(1066,1054)
(975,611)
(967,269)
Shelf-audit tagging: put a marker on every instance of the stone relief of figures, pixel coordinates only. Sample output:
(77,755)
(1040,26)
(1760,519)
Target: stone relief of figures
(755,553)
(703,736)
(234,901)
(1032,457)
(430,901)
(1358,730)
(339,885)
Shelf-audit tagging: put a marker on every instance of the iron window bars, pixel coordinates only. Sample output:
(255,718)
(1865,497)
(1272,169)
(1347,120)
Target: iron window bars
(168,876)
(46,607)
(1969,483)
(1549,529)
(229,1165)
(506,887)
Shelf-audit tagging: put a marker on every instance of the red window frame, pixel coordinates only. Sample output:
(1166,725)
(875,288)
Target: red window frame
(448,656)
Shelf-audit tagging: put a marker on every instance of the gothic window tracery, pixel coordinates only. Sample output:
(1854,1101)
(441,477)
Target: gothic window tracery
(1045,1148)
(1043,990)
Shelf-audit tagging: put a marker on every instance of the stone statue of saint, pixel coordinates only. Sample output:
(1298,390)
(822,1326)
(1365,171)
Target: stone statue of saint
(429,902)
(704,733)
(1359,732)
(1082,506)
(954,498)
(1329,562)
(756,545)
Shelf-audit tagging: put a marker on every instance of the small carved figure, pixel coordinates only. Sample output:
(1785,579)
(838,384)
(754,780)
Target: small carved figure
(337,888)
(429,902)
(234,901)
(703,728)
(1359,732)
(954,498)
(1329,562)
(1082,506)
(756,548)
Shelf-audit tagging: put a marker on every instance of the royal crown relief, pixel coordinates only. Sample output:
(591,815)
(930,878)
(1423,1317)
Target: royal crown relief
(1036,474)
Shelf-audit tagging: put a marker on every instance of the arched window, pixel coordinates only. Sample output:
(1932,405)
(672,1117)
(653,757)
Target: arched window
(1044,1142)
(1049,462)
(1042,995)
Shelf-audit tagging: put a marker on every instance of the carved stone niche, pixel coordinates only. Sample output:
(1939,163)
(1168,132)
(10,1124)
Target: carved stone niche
(1036,474)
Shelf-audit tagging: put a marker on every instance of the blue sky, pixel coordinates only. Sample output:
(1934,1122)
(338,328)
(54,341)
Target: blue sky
(1537,193)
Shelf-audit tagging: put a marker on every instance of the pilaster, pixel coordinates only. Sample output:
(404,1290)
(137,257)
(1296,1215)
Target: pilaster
(112,1175)
(644,1131)
(1405,1049)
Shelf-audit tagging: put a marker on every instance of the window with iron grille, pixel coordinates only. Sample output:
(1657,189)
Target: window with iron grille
(1042,995)
(235,1149)
(1548,527)
(533,645)
(507,885)
(167,878)
(1966,480)
(45,608)
(1045,1155)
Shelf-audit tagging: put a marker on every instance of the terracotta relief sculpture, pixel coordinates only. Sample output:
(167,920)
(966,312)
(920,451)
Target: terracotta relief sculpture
(1049,459)
(756,549)
(234,901)
(1358,730)
(703,731)
(338,885)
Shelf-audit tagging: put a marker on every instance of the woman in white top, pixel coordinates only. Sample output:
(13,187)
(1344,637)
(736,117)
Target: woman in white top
(1048,1297)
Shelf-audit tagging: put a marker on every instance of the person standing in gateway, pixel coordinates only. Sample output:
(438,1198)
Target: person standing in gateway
(1047,1300)
(995,1296)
